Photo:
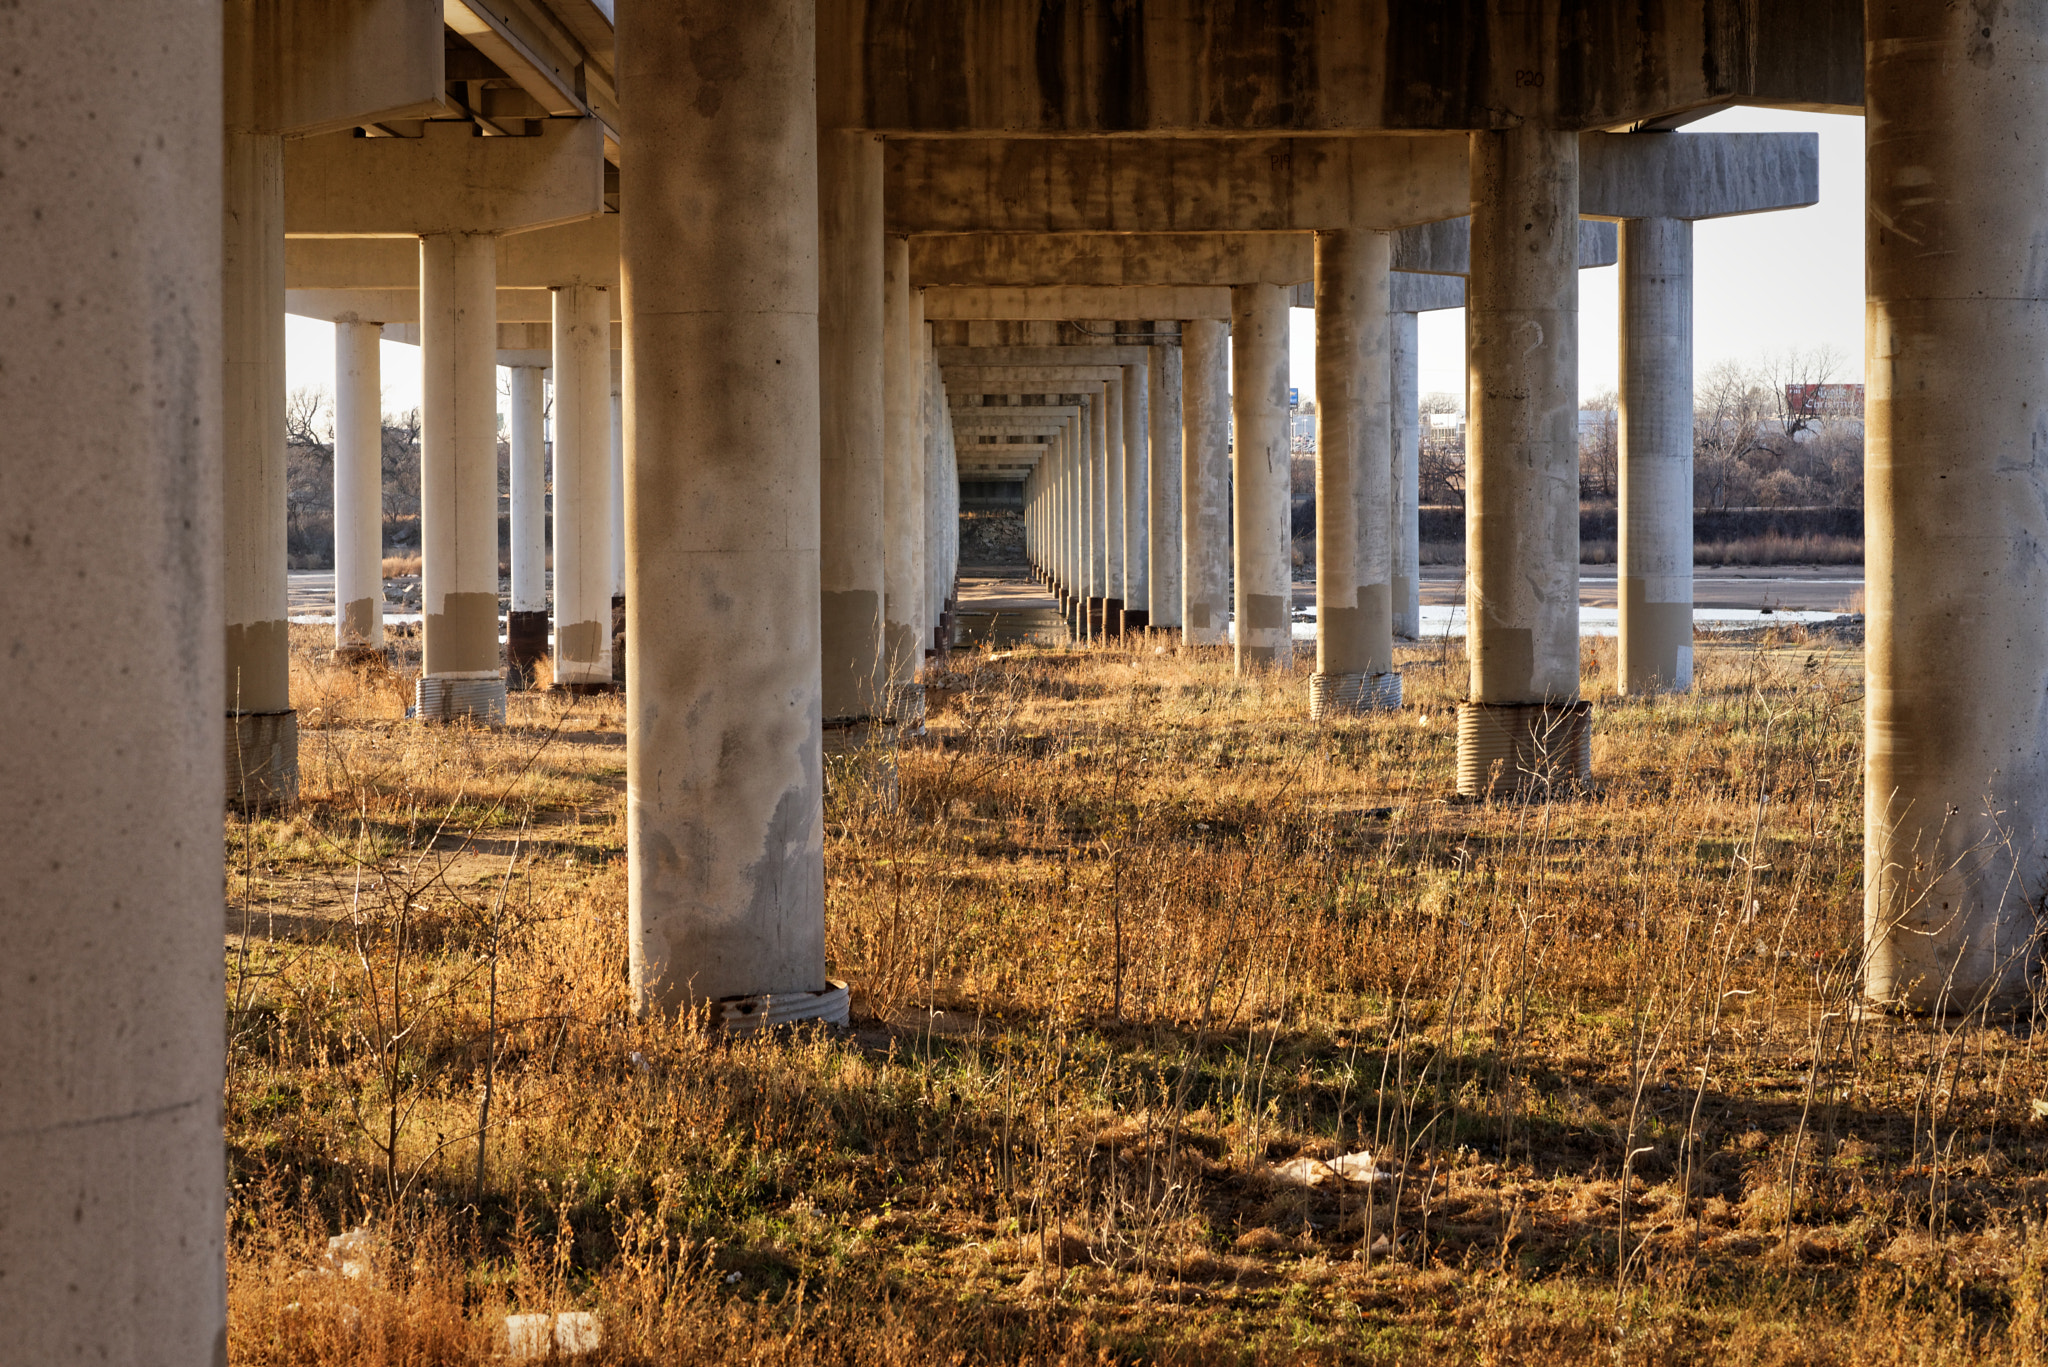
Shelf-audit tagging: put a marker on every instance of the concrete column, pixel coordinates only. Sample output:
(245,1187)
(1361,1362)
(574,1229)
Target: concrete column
(1205,518)
(617,539)
(1116,582)
(1524,726)
(850,346)
(1354,479)
(902,477)
(1406,420)
(1093,424)
(1073,577)
(1263,599)
(1656,455)
(358,492)
(719,238)
(526,623)
(459,478)
(1137,498)
(1162,523)
(583,488)
(1956,733)
(262,728)
(111,380)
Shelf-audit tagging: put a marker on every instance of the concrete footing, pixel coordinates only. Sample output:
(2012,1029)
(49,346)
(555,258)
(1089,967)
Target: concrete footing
(1112,616)
(1136,619)
(526,645)
(443,697)
(1332,695)
(1534,749)
(262,760)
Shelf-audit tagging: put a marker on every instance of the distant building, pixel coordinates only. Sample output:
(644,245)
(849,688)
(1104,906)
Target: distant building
(1824,400)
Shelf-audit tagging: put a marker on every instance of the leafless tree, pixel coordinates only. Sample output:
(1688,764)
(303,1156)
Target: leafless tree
(1599,446)
(1729,410)
(1440,454)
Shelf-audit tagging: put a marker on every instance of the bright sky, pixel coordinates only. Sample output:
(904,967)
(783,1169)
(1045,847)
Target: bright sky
(1762,284)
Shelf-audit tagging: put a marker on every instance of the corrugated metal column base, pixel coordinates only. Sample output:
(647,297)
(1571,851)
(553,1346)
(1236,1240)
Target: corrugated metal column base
(444,698)
(1331,695)
(1531,749)
(744,1015)
(263,760)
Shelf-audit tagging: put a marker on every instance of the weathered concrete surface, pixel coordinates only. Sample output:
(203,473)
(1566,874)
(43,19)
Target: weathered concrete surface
(1077,301)
(724,772)
(1029,67)
(328,66)
(445,181)
(1137,414)
(583,486)
(1074,260)
(903,469)
(1051,356)
(1163,378)
(1205,482)
(1696,175)
(1404,420)
(528,477)
(1176,185)
(1956,726)
(1445,248)
(111,1187)
(358,489)
(1655,522)
(582,252)
(1261,470)
(851,340)
(1522,504)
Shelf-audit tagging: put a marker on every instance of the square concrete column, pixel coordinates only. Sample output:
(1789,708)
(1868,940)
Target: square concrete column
(1354,479)
(358,492)
(462,676)
(1205,481)
(1656,455)
(851,342)
(719,238)
(111,662)
(1162,522)
(1956,729)
(1097,526)
(902,481)
(1115,576)
(1137,433)
(262,728)
(526,621)
(583,488)
(1524,728)
(1406,420)
(1261,470)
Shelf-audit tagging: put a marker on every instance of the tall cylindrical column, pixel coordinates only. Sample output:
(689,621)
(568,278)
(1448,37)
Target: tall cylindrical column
(583,488)
(262,729)
(1115,572)
(850,346)
(1205,518)
(459,478)
(1405,418)
(1097,529)
(1354,478)
(1956,732)
(902,481)
(1524,726)
(617,537)
(1261,469)
(1137,498)
(358,492)
(111,380)
(526,621)
(1162,524)
(719,237)
(1656,455)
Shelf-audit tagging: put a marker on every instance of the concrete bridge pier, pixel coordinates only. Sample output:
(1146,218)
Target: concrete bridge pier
(262,728)
(1205,481)
(1354,479)
(724,813)
(1098,524)
(358,492)
(617,539)
(526,621)
(1261,470)
(462,672)
(1524,728)
(903,485)
(1163,552)
(1405,424)
(1656,455)
(1956,729)
(111,1163)
(1116,571)
(1137,444)
(851,342)
(583,480)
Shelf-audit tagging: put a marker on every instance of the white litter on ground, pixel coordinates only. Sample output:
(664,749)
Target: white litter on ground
(570,1333)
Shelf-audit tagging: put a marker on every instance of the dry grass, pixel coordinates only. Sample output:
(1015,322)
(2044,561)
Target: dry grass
(1132,933)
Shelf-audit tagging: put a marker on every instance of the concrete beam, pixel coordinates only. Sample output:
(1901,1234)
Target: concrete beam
(1026,379)
(1074,67)
(993,260)
(403,305)
(585,252)
(1040,355)
(994,415)
(446,180)
(1204,185)
(1410,293)
(334,64)
(1446,248)
(1696,175)
(966,303)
